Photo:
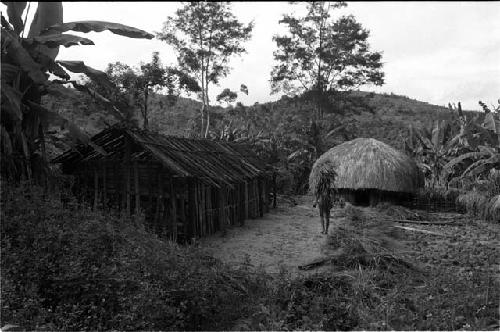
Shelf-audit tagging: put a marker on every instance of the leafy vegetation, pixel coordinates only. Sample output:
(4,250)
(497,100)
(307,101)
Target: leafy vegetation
(26,63)
(319,55)
(104,273)
(205,36)
(121,277)
(65,267)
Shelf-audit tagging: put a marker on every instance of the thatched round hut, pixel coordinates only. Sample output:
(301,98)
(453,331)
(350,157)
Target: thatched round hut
(369,171)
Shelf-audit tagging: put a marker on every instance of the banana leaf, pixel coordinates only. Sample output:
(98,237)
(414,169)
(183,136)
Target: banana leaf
(55,40)
(94,74)
(11,101)
(47,14)
(99,26)
(15,12)
(20,56)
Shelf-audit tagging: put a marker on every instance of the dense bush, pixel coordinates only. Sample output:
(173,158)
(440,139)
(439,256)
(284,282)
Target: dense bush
(66,267)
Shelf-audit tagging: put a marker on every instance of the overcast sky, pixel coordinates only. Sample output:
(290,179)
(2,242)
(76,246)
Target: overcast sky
(432,51)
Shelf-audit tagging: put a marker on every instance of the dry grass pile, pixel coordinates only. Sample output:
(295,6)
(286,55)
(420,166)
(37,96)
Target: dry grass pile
(365,238)
(398,212)
(479,205)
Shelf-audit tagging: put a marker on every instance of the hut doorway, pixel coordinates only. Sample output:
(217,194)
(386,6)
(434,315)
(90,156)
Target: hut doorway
(362,198)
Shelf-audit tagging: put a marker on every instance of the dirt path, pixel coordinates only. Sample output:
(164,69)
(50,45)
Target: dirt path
(290,236)
(286,237)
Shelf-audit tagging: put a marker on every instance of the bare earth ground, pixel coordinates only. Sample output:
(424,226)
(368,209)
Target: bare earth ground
(290,236)
(285,237)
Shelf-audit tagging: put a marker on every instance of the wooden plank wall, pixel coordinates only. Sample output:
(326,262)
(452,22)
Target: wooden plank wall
(173,207)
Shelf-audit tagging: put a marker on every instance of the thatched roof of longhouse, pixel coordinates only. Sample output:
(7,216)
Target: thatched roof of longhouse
(365,163)
(213,162)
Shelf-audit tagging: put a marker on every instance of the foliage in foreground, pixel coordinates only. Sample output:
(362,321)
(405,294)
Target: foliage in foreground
(65,267)
(70,268)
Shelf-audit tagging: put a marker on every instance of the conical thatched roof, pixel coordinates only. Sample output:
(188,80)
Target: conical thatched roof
(365,163)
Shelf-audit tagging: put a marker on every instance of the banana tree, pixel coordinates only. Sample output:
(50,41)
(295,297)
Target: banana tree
(27,62)
(432,149)
(485,156)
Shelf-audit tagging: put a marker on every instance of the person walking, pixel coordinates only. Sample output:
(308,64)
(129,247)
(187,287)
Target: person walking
(324,201)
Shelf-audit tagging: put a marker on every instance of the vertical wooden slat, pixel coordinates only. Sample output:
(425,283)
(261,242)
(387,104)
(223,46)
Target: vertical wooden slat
(191,210)
(127,175)
(96,188)
(275,189)
(173,211)
(150,214)
(261,194)
(204,212)
(182,211)
(209,210)
(247,197)
(136,189)
(220,207)
(104,188)
(157,223)
(200,209)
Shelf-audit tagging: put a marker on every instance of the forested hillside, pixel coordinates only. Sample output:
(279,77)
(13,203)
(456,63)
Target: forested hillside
(385,117)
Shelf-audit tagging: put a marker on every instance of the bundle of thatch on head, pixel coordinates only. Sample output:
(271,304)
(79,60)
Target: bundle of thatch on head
(369,171)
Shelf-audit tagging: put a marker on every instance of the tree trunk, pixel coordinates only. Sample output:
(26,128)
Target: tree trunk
(208,123)
(207,110)
(202,111)
(145,114)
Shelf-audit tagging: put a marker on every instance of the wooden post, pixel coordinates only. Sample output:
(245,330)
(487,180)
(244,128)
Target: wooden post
(96,188)
(220,207)
(238,205)
(127,174)
(204,211)
(150,215)
(199,209)
(136,189)
(173,215)
(247,197)
(104,188)
(209,210)
(191,210)
(275,189)
(182,211)
(159,198)
(262,197)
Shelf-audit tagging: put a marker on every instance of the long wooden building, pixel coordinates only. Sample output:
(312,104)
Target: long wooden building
(186,188)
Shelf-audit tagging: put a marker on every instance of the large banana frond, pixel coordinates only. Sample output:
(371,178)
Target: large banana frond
(56,40)
(99,26)
(94,74)
(470,155)
(21,57)
(47,14)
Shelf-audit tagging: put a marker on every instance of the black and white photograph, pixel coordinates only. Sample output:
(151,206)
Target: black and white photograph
(250,166)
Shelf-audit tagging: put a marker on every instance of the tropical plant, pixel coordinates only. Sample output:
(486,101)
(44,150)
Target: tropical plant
(205,36)
(26,64)
(453,149)
(483,146)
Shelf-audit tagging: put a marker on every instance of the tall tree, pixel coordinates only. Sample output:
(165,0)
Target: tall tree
(136,84)
(205,36)
(320,55)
